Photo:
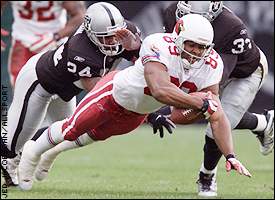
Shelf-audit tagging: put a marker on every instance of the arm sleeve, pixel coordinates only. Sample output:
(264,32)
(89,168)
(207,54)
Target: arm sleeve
(152,50)
(229,63)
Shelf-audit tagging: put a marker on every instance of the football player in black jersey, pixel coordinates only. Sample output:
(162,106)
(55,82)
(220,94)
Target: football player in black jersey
(245,67)
(57,76)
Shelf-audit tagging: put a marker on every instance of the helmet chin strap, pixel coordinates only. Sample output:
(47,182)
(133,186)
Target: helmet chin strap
(186,64)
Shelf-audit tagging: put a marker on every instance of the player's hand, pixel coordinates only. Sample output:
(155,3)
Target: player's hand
(209,105)
(44,42)
(157,121)
(3,33)
(233,163)
(128,40)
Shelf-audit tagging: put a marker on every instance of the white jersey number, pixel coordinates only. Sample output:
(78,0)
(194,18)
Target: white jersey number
(241,45)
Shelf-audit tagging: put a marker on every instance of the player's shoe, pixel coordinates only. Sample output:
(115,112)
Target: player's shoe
(266,137)
(9,170)
(44,165)
(207,185)
(27,165)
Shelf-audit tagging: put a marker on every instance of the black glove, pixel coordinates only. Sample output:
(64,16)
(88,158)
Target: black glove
(157,121)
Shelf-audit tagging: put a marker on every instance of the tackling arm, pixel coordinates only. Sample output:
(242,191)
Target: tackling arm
(76,10)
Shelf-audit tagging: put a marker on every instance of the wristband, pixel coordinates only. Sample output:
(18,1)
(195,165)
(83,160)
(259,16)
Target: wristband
(229,156)
(205,105)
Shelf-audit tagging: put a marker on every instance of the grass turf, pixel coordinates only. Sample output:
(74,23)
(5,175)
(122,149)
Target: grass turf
(141,165)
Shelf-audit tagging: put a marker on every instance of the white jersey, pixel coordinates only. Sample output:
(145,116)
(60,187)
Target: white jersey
(36,17)
(130,89)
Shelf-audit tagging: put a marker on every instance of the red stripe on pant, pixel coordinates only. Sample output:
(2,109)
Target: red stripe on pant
(103,118)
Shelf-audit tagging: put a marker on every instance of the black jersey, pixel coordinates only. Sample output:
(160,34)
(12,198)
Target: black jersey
(239,52)
(59,71)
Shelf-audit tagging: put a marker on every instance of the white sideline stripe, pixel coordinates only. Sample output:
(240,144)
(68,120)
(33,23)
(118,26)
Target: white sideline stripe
(96,91)
(83,109)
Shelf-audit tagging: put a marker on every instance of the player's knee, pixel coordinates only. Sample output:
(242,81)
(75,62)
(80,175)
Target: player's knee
(70,136)
(98,136)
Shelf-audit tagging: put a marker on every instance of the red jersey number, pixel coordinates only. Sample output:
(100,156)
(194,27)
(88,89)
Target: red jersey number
(172,48)
(27,12)
(186,86)
(211,60)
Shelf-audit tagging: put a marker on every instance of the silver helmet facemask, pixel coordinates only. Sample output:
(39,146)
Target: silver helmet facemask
(101,32)
(210,11)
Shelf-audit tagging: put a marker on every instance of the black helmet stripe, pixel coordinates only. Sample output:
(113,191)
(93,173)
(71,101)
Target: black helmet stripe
(110,14)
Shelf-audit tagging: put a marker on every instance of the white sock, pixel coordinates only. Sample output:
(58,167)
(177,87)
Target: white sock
(262,123)
(66,145)
(49,138)
(206,171)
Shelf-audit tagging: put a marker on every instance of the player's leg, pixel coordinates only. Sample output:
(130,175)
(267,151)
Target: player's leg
(97,114)
(25,113)
(18,57)
(47,159)
(28,107)
(57,111)
(261,124)
(236,97)
(89,114)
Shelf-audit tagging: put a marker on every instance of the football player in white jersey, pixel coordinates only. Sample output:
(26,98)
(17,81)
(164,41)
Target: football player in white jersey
(40,26)
(121,100)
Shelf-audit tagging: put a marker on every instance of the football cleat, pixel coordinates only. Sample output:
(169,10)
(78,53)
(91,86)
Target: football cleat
(44,165)
(27,165)
(266,137)
(207,185)
(9,170)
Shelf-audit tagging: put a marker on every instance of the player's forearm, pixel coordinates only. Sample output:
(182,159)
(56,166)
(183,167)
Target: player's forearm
(172,95)
(71,26)
(222,133)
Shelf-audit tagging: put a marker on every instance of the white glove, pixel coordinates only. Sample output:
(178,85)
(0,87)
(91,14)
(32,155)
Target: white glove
(44,43)
(233,163)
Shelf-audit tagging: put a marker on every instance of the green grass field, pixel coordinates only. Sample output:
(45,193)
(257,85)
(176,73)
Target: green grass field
(141,165)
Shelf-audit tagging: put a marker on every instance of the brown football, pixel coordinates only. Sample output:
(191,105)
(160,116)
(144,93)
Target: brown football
(187,115)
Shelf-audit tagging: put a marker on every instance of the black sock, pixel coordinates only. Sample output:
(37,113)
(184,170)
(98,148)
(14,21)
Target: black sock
(249,121)
(212,154)
(38,133)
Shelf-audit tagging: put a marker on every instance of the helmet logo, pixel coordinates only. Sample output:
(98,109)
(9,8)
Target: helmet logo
(215,6)
(87,21)
(179,26)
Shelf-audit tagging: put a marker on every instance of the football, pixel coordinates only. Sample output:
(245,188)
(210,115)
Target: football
(185,115)
(188,115)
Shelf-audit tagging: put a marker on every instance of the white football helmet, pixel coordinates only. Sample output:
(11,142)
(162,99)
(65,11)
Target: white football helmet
(209,9)
(197,29)
(101,21)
